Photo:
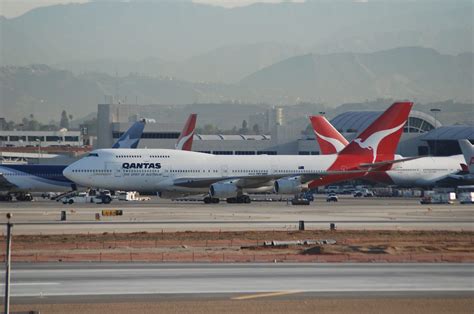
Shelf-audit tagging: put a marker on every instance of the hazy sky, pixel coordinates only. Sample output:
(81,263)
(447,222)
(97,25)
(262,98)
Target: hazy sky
(13,8)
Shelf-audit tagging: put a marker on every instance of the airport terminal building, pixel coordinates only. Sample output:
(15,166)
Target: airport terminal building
(423,134)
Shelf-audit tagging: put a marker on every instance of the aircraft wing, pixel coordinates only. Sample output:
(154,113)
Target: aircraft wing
(258,180)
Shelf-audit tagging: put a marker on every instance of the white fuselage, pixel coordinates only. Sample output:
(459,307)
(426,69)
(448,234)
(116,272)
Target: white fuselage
(160,169)
(424,171)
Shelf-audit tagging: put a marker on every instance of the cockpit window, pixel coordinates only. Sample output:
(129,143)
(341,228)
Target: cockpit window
(93,155)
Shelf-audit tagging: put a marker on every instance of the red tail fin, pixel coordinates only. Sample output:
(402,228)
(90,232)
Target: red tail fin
(329,139)
(376,143)
(380,139)
(185,140)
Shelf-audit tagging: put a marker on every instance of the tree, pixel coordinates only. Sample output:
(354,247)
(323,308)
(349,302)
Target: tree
(64,122)
(244,129)
(256,129)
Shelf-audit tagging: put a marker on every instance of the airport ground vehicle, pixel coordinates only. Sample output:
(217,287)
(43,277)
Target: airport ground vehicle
(438,198)
(300,201)
(332,189)
(363,193)
(332,197)
(466,198)
(102,197)
(466,194)
(20,196)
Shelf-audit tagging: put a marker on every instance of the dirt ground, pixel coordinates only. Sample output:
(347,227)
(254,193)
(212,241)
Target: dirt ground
(350,245)
(309,305)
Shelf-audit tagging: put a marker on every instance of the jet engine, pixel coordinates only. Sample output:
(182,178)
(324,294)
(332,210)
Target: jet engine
(223,190)
(288,186)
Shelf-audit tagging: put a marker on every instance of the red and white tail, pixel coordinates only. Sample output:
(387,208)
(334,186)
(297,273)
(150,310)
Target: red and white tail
(329,139)
(374,147)
(467,150)
(380,140)
(185,140)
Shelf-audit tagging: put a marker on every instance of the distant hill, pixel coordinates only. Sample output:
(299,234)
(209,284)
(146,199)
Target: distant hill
(418,74)
(403,73)
(44,91)
(228,64)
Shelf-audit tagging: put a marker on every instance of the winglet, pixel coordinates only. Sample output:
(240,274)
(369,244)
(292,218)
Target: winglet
(329,139)
(185,140)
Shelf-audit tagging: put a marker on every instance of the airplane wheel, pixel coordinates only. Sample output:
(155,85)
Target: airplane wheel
(70,202)
(215,201)
(246,199)
(207,200)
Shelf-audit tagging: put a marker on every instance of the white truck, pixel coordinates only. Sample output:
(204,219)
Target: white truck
(466,198)
(103,197)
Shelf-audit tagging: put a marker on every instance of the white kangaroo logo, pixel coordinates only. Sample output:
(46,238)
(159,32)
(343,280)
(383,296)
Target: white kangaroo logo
(127,142)
(372,142)
(334,142)
(183,140)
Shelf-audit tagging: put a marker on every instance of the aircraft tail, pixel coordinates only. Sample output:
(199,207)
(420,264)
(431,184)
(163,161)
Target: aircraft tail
(131,138)
(329,139)
(185,140)
(380,140)
(374,148)
(468,151)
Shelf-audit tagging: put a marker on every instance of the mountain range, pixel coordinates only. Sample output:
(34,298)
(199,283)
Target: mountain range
(418,74)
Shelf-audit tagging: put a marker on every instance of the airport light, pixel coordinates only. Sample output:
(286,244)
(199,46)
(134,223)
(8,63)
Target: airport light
(435,112)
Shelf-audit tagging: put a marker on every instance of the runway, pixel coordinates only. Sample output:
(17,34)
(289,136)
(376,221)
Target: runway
(159,215)
(77,280)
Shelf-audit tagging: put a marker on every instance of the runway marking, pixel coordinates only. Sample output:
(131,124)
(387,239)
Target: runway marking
(264,295)
(31,283)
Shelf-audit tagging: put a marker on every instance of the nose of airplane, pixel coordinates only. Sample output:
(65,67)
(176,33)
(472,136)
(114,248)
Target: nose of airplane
(68,173)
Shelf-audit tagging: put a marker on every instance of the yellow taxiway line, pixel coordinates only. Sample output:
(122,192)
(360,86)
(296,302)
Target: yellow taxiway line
(264,295)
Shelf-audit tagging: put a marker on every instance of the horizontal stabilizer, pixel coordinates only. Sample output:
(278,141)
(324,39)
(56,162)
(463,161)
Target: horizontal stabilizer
(386,163)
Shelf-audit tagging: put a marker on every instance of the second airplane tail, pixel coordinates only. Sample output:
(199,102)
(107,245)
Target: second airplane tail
(185,140)
(329,139)
(468,151)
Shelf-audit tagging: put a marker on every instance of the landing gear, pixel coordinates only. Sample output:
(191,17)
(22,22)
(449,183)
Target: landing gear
(241,199)
(211,200)
(24,197)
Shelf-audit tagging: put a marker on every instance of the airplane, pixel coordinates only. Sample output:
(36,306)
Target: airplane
(20,180)
(174,173)
(466,176)
(419,172)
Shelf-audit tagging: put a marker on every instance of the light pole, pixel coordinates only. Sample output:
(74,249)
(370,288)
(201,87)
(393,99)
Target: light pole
(38,140)
(7,264)
(435,111)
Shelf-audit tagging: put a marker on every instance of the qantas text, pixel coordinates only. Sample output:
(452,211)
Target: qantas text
(141,165)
